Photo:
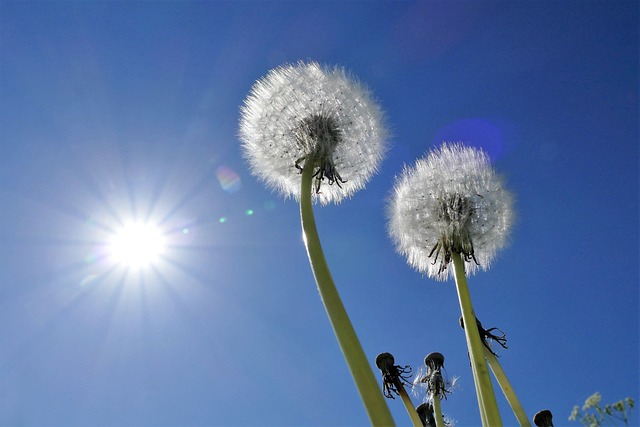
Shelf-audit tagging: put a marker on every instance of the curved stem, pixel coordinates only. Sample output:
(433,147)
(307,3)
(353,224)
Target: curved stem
(368,387)
(505,385)
(486,397)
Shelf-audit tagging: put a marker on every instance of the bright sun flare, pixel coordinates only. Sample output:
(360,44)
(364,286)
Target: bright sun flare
(137,245)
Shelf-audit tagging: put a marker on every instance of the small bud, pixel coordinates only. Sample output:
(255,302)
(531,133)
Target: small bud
(543,418)
(425,412)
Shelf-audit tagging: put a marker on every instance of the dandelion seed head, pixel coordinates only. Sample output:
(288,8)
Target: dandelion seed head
(450,201)
(309,113)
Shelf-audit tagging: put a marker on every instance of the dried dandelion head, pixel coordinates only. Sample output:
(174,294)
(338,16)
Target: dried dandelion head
(431,377)
(394,377)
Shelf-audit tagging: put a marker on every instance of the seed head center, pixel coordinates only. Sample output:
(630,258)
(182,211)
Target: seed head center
(318,135)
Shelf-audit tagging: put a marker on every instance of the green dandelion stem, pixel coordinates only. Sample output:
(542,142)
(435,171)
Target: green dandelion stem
(486,397)
(408,404)
(437,410)
(505,385)
(368,387)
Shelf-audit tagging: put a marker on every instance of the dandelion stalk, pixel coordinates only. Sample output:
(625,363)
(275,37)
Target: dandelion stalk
(437,410)
(505,385)
(408,404)
(486,396)
(366,383)
(451,207)
(306,122)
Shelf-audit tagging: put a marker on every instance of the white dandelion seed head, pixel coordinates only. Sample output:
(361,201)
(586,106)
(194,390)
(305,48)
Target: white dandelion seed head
(451,200)
(304,112)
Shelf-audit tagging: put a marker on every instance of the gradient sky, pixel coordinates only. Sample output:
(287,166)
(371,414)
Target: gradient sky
(114,112)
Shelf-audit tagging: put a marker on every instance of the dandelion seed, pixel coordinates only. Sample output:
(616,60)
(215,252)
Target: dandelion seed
(306,114)
(451,201)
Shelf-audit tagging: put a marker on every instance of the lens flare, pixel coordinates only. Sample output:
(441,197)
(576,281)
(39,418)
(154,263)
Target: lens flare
(228,178)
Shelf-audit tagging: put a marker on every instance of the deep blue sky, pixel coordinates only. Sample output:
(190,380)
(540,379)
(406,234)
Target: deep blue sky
(115,111)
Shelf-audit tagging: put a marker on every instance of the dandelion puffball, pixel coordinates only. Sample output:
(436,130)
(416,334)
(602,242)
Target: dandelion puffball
(308,113)
(450,201)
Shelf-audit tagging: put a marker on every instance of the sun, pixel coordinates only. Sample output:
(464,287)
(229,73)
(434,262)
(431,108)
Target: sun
(137,245)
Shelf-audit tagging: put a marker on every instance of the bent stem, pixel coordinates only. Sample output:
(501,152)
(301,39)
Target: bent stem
(368,387)
(437,410)
(505,385)
(486,397)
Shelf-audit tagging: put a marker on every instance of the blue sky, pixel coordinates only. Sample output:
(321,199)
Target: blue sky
(113,112)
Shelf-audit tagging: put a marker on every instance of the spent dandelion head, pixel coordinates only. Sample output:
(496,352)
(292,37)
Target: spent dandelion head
(434,361)
(451,201)
(394,377)
(433,377)
(307,115)
(487,334)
